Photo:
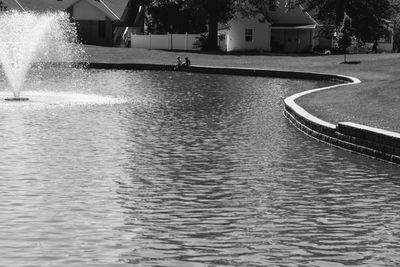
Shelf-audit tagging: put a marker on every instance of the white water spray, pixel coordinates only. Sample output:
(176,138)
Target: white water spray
(30,39)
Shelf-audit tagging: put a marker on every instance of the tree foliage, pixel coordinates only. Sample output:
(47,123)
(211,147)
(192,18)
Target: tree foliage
(251,8)
(165,16)
(345,34)
(368,17)
(215,11)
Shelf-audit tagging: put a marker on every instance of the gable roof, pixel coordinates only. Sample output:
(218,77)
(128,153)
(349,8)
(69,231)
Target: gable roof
(117,6)
(113,9)
(294,16)
(39,5)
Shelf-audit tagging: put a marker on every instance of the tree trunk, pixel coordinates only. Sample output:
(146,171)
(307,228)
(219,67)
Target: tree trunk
(212,7)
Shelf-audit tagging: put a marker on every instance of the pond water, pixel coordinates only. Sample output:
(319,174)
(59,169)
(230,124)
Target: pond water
(128,168)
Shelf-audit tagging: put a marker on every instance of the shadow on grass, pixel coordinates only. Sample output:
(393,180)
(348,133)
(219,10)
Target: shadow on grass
(351,62)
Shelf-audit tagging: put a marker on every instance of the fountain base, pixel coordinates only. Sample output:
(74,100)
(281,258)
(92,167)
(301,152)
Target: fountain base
(16,99)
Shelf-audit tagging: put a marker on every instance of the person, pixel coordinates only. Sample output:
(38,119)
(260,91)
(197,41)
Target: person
(186,64)
(178,65)
(374,48)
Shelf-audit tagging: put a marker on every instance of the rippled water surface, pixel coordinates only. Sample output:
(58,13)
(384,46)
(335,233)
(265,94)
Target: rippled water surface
(185,170)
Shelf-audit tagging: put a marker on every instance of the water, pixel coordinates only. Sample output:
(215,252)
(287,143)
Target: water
(177,169)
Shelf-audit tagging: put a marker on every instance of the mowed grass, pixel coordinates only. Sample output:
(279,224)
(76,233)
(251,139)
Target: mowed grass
(375,102)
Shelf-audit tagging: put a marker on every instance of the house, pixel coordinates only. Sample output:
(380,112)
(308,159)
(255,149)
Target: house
(99,22)
(292,31)
(288,31)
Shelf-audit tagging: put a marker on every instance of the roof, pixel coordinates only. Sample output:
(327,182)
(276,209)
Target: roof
(113,9)
(295,16)
(39,5)
(294,27)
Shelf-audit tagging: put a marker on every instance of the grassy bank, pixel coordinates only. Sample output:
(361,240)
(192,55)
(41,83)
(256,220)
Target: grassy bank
(374,102)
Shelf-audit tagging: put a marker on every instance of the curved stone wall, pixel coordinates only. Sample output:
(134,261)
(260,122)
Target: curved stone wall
(370,141)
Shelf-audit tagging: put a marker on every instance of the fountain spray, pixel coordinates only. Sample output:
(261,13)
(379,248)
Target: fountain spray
(29,39)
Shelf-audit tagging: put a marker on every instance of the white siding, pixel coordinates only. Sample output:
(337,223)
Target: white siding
(236,34)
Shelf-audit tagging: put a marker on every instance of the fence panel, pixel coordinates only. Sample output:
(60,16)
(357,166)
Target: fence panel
(140,41)
(178,42)
(159,41)
(165,41)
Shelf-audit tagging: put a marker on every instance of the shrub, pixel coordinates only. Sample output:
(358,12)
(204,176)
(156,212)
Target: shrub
(202,41)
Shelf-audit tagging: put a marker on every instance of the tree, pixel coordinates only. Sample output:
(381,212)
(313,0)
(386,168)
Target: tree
(395,20)
(165,16)
(368,17)
(215,11)
(396,37)
(345,35)
(250,8)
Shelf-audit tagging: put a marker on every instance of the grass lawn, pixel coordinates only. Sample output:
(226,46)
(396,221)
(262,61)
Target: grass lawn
(374,102)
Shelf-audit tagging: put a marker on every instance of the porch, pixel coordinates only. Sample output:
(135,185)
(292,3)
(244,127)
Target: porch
(292,38)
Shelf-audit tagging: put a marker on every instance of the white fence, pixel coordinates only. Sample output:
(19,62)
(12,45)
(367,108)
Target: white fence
(165,41)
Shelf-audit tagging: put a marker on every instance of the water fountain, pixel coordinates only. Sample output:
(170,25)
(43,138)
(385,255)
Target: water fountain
(30,40)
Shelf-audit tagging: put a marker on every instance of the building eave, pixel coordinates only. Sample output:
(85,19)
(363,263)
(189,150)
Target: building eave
(293,27)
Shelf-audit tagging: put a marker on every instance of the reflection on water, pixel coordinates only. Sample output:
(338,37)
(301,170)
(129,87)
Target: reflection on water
(193,170)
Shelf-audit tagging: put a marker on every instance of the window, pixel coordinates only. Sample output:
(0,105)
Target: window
(248,35)
(102,29)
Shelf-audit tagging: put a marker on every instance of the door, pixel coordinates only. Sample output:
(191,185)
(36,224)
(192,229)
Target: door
(291,41)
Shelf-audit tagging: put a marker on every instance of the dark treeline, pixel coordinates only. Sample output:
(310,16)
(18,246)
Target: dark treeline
(369,18)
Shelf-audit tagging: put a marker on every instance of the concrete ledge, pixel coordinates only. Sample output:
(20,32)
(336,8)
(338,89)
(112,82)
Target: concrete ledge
(369,141)
(129,66)
(225,70)
(350,136)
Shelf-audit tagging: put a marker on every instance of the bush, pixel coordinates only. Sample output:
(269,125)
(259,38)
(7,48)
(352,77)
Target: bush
(202,41)
(321,48)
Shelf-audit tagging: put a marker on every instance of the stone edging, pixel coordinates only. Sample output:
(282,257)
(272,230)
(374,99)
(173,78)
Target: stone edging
(354,137)
(369,141)
(221,70)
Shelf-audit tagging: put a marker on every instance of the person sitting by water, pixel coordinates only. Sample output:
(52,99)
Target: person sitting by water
(186,64)
(178,65)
